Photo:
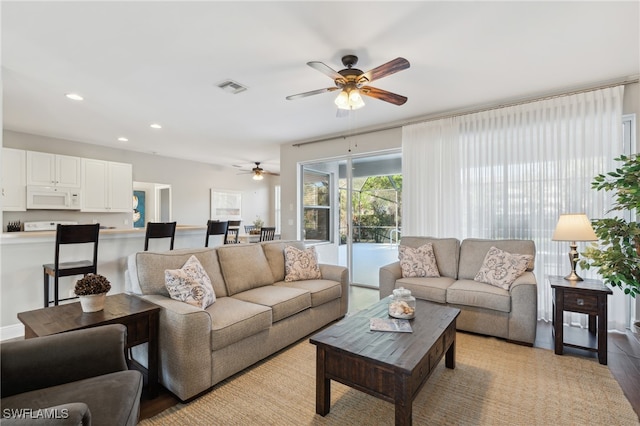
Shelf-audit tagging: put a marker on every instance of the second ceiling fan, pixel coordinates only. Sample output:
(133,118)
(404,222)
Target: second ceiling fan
(354,82)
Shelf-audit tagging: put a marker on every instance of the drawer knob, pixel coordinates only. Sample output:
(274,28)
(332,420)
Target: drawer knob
(580,302)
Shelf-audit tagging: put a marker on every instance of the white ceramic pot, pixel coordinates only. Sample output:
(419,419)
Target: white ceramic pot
(92,302)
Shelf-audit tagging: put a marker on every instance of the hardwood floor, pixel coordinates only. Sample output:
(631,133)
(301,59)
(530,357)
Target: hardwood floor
(623,356)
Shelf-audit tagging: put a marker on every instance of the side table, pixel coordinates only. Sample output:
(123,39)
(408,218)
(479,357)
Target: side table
(586,297)
(139,316)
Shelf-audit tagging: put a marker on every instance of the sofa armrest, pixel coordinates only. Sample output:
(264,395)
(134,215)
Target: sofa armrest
(184,347)
(339,274)
(71,414)
(387,276)
(62,358)
(523,320)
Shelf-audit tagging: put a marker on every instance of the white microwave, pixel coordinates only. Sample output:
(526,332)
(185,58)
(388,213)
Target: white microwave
(53,198)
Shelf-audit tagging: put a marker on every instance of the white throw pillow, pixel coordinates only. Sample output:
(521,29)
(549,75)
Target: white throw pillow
(501,268)
(301,264)
(190,284)
(420,262)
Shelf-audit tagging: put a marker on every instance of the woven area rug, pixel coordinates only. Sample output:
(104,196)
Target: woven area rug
(494,383)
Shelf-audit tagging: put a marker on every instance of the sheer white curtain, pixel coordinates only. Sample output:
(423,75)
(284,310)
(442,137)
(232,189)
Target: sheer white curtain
(510,172)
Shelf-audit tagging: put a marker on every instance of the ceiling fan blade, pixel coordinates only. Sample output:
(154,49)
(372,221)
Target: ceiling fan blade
(325,69)
(383,95)
(391,67)
(311,93)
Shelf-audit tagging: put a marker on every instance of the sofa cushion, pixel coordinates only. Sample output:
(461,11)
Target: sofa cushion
(113,399)
(481,295)
(190,284)
(322,291)
(432,289)
(501,268)
(274,251)
(446,250)
(301,264)
(244,266)
(418,262)
(473,252)
(233,320)
(283,301)
(150,267)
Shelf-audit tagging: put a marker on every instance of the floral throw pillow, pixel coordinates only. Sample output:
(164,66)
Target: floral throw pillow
(501,268)
(190,284)
(418,262)
(301,264)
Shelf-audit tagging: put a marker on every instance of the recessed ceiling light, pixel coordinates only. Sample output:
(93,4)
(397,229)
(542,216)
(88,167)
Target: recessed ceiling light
(74,96)
(155,126)
(123,139)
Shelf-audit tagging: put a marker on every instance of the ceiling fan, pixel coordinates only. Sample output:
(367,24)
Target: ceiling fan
(258,172)
(353,83)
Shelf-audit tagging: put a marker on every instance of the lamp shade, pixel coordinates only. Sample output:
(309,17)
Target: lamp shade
(574,227)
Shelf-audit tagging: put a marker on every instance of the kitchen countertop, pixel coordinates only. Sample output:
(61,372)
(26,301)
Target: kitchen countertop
(106,231)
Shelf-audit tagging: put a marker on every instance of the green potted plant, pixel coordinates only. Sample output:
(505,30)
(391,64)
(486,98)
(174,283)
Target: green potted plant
(92,290)
(257,225)
(617,253)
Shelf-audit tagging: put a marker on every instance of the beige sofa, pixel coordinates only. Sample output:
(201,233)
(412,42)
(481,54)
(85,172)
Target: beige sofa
(256,312)
(485,309)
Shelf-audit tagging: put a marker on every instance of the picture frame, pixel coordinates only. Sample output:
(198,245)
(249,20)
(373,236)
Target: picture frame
(226,205)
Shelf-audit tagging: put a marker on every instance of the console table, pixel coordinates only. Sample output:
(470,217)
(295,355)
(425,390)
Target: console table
(586,297)
(139,316)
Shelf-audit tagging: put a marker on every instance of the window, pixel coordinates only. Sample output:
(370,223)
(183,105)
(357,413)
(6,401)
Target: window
(316,199)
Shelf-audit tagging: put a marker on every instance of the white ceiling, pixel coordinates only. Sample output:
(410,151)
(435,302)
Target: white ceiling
(141,62)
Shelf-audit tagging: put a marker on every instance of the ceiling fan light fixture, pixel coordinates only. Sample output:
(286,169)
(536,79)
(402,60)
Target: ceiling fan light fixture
(258,176)
(349,99)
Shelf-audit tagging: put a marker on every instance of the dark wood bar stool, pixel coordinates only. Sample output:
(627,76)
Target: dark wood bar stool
(160,230)
(215,227)
(267,233)
(70,234)
(233,231)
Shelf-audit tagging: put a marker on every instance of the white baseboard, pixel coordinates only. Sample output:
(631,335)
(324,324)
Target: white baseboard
(11,331)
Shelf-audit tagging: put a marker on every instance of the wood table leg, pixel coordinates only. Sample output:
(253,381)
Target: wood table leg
(152,360)
(450,356)
(557,326)
(323,385)
(403,400)
(602,329)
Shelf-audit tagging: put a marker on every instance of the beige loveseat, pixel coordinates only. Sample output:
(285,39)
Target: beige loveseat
(485,309)
(256,312)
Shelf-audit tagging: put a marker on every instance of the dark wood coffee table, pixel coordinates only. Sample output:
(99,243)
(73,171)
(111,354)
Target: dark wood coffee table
(388,365)
(139,316)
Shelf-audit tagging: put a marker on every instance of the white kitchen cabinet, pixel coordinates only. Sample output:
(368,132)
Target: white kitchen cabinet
(107,186)
(45,169)
(14,180)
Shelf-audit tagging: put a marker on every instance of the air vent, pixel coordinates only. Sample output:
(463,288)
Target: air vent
(232,87)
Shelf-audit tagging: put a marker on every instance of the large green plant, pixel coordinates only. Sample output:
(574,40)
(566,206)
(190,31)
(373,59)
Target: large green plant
(617,254)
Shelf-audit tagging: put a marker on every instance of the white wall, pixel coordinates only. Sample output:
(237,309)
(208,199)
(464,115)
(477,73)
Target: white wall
(190,181)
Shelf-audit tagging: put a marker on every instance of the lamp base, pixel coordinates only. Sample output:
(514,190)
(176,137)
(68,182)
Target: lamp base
(573,277)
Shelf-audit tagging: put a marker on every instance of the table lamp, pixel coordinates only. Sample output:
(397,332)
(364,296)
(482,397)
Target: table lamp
(574,227)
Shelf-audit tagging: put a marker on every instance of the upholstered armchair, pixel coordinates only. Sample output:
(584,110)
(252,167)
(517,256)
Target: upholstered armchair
(73,378)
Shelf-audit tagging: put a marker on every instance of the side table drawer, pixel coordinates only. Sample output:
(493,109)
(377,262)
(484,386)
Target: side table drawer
(575,301)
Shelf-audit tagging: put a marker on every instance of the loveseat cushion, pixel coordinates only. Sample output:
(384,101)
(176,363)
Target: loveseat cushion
(283,301)
(322,291)
(233,320)
(244,266)
(480,295)
(274,251)
(150,267)
(113,399)
(446,250)
(432,289)
(473,252)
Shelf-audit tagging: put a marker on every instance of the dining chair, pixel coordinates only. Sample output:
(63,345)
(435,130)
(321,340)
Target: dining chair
(267,233)
(233,230)
(70,234)
(249,228)
(160,230)
(216,227)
